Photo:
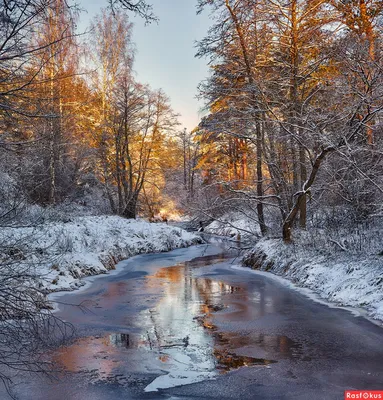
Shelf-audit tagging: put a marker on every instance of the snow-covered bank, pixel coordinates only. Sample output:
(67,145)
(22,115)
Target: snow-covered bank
(345,279)
(59,254)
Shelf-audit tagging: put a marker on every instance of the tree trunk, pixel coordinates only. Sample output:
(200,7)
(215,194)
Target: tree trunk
(119,176)
(52,167)
(53,142)
(368,29)
(130,210)
(184,159)
(261,215)
(301,196)
(303,206)
(289,221)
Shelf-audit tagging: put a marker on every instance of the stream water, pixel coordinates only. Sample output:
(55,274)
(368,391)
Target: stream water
(185,324)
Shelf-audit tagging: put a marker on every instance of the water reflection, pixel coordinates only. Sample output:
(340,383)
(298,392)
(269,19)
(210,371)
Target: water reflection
(279,345)
(184,315)
(188,334)
(125,340)
(227,361)
(89,354)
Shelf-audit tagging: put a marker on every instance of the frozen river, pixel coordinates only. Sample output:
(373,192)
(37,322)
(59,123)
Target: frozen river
(187,325)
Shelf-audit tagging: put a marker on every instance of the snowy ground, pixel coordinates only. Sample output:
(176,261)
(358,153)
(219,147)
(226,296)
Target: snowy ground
(61,253)
(343,278)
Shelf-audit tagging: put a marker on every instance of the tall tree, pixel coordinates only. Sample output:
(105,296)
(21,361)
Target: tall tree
(113,55)
(59,67)
(363,18)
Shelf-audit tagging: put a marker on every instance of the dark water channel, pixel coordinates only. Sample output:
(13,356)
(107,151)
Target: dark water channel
(185,324)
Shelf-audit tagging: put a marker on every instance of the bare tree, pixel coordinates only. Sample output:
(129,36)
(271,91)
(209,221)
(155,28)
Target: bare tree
(139,7)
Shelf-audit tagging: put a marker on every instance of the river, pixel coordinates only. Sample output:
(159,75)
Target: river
(188,325)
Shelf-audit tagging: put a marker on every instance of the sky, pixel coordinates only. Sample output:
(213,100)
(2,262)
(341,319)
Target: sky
(165,52)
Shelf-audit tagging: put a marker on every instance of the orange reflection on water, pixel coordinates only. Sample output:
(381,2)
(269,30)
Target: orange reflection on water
(88,354)
(184,321)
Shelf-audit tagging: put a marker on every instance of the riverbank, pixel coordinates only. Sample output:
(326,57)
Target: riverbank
(56,255)
(341,265)
(342,278)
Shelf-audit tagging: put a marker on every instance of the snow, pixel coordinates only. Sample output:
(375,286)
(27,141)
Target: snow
(234,224)
(183,370)
(344,279)
(60,253)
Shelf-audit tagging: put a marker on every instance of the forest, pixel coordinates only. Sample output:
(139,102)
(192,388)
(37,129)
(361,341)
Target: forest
(75,122)
(296,109)
(291,136)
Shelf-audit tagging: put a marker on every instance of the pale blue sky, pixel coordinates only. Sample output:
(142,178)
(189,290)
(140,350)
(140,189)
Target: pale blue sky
(165,52)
